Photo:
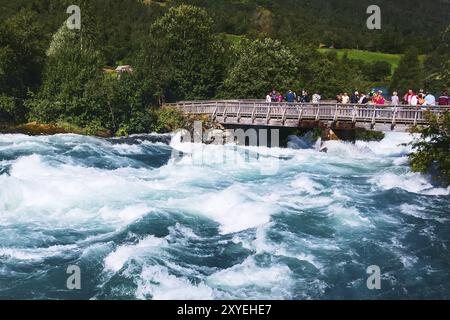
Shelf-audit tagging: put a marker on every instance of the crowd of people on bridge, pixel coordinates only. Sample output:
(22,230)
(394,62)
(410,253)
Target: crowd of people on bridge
(421,99)
(292,97)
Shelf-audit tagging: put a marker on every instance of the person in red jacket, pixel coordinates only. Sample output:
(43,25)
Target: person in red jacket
(411,98)
(379,99)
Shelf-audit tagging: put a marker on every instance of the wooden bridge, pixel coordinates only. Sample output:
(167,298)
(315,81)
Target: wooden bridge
(304,115)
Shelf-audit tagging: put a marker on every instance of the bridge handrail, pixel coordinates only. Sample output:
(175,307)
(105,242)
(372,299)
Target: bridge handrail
(262,103)
(223,110)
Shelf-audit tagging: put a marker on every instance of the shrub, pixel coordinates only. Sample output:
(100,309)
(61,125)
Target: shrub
(139,122)
(432,149)
(365,135)
(11,110)
(169,120)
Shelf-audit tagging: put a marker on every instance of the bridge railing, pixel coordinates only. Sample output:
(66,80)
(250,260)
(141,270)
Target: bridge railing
(255,109)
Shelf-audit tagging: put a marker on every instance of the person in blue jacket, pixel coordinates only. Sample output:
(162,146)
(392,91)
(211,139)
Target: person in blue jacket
(290,97)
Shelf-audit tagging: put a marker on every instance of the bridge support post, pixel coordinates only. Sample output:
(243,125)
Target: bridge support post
(254,113)
(394,118)
(300,116)
(283,119)
(372,125)
(238,116)
(225,113)
(268,115)
(416,114)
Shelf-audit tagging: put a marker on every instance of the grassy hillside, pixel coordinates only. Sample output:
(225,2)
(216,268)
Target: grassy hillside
(368,56)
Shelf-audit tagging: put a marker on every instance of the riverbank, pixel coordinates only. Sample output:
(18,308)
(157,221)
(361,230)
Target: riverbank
(40,129)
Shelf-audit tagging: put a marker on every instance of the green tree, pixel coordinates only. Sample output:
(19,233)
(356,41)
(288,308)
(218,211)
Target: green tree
(260,66)
(61,39)
(437,66)
(11,110)
(128,99)
(379,70)
(409,74)
(432,149)
(182,54)
(22,54)
(77,91)
(69,72)
(327,74)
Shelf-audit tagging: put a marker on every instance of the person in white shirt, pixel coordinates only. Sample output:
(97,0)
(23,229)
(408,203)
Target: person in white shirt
(411,98)
(430,99)
(316,98)
(268,98)
(345,98)
(395,101)
(363,99)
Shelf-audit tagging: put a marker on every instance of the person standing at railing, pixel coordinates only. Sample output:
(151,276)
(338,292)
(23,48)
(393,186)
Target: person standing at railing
(413,101)
(395,101)
(443,99)
(268,98)
(410,98)
(345,98)
(378,98)
(363,99)
(354,99)
(274,96)
(421,101)
(290,97)
(280,98)
(304,98)
(430,99)
(316,98)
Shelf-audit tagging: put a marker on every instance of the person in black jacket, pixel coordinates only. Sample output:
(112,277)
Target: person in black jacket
(354,99)
(305,97)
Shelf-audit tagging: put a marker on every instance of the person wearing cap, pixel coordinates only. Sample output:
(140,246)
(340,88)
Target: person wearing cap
(354,99)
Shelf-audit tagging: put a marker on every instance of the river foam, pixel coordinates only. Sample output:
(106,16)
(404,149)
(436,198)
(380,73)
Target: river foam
(154,218)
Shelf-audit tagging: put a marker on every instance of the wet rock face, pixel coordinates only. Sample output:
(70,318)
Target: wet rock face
(139,138)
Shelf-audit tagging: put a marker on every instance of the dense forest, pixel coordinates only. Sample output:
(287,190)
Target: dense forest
(341,24)
(200,49)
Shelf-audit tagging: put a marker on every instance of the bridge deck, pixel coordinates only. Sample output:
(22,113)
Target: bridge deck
(256,113)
